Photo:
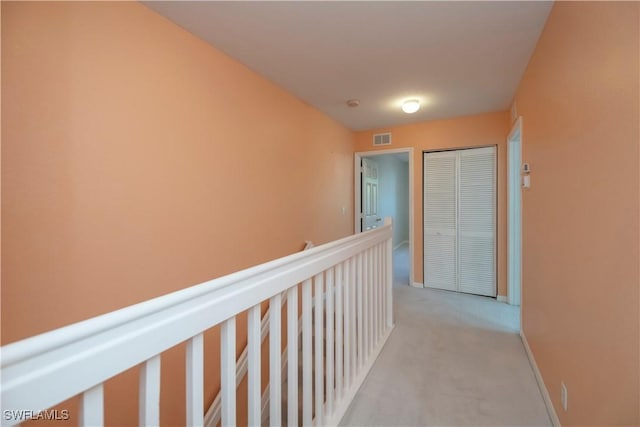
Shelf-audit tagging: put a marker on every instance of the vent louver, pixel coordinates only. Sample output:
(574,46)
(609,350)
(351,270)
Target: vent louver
(382,139)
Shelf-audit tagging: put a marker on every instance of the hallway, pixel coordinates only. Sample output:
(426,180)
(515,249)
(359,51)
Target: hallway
(401,265)
(452,360)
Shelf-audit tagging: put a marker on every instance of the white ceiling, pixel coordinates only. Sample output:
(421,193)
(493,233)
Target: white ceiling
(458,58)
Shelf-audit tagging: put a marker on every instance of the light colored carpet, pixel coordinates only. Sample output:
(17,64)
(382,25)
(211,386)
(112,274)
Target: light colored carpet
(401,265)
(452,360)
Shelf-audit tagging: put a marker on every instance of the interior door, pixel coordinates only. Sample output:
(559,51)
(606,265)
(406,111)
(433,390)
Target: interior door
(477,221)
(460,220)
(440,220)
(371,219)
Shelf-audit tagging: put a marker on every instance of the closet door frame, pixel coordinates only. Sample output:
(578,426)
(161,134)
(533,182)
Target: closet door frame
(496,222)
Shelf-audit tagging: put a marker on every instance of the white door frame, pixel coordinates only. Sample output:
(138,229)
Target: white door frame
(358,197)
(457,154)
(514,214)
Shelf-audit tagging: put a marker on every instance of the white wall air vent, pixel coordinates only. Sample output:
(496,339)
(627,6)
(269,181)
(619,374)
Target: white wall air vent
(382,139)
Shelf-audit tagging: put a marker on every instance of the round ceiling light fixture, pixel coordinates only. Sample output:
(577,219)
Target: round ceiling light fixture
(411,106)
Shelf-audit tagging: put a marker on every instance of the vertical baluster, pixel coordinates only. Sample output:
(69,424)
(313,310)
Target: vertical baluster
(319,324)
(292,356)
(376,295)
(382,287)
(306,353)
(340,342)
(92,407)
(380,296)
(254,365)
(359,299)
(366,303)
(374,279)
(347,322)
(275,360)
(149,406)
(388,283)
(195,378)
(383,269)
(228,372)
(352,310)
(372,298)
(329,316)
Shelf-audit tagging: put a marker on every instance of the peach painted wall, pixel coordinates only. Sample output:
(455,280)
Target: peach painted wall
(471,131)
(579,100)
(138,160)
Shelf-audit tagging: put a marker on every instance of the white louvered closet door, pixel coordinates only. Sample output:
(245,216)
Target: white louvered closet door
(459,220)
(440,220)
(477,221)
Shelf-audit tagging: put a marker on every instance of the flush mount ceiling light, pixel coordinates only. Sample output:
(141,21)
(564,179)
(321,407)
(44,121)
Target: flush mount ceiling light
(353,103)
(411,106)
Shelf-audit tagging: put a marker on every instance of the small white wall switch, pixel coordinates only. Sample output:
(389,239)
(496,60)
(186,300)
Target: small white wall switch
(563,395)
(526,181)
(344,210)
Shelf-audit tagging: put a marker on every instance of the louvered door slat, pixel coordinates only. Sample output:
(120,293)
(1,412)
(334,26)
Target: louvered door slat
(477,222)
(440,220)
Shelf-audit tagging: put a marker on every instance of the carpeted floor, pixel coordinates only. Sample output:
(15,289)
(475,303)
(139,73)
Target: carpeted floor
(401,265)
(452,360)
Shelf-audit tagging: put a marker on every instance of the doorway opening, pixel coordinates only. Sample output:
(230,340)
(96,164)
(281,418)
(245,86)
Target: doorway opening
(514,213)
(383,187)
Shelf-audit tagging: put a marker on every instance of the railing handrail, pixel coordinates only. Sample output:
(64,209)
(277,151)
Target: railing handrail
(47,341)
(213,414)
(72,349)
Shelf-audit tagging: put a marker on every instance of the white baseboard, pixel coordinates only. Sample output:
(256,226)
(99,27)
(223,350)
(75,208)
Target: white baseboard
(405,242)
(543,389)
(417,285)
(502,298)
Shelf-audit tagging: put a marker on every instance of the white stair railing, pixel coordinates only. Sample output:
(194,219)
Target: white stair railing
(349,279)
(213,415)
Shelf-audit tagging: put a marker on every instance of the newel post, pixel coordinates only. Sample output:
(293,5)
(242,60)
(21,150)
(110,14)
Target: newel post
(389,273)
